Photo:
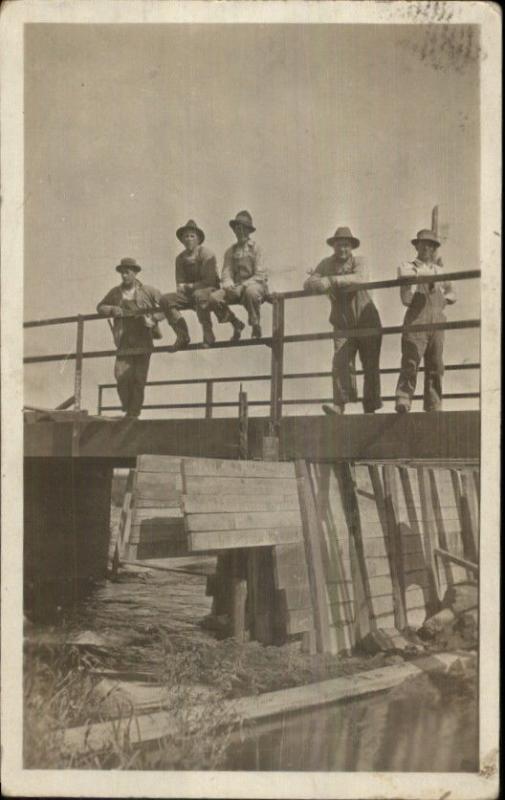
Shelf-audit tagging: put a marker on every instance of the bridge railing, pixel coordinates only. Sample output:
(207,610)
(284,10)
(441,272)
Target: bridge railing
(276,342)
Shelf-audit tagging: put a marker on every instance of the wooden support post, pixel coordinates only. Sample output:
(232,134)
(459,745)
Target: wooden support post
(79,347)
(209,392)
(313,537)
(469,496)
(397,576)
(277,366)
(238,595)
(465,519)
(243,424)
(429,533)
(100,400)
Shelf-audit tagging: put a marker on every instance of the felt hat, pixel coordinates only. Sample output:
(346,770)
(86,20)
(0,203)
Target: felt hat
(343,233)
(128,263)
(426,236)
(243,218)
(190,226)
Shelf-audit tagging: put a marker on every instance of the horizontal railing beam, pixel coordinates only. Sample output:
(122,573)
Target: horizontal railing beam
(386,284)
(287,376)
(348,333)
(290,402)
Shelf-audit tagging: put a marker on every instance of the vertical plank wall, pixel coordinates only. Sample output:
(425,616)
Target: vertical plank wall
(380,525)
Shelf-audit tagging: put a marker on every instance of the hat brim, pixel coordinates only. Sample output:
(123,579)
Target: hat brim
(415,242)
(234,222)
(124,267)
(355,243)
(181,231)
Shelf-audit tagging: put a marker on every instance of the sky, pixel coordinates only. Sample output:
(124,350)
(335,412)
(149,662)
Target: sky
(130,130)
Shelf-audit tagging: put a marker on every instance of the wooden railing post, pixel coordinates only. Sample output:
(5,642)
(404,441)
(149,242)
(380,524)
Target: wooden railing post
(79,348)
(277,368)
(209,398)
(100,399)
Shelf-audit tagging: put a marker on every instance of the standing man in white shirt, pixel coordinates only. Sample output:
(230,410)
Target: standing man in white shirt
(425,304)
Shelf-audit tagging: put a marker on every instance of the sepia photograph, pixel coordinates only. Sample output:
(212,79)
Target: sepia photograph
(250,398)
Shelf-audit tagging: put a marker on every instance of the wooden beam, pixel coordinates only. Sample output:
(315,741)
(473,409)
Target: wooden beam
(208,541)
(313,536)
(441,435)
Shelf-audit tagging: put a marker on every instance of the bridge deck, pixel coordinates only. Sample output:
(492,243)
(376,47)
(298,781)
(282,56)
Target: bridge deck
(441,436)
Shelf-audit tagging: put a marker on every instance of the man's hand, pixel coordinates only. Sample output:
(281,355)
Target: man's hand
(116,311)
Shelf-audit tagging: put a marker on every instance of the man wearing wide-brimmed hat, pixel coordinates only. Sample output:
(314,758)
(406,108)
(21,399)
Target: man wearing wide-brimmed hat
(425,304)
(132,332)
(340,276)
(243,278)
(196,279)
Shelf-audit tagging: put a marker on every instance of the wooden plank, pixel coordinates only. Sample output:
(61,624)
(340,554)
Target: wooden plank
(93,738)
(206,541)
(266,622)
(453,434)
(157,514)
(241,521)
(290,564)
(150,463)
(229,503)
(470,497)
(469,544)
(442,537)
(313,535)
(216,468)
(385,497)
(426,532)
(255,486)
(295,596)
(462,562)
(301,620)
(157,503)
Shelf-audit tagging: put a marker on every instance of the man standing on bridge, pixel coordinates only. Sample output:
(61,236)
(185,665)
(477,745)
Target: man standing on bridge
(132,332)
(425,303)
(340,276)
(196,279)
(244,278)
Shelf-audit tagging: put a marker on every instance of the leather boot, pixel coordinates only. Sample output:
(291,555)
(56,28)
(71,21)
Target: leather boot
(336,408)
(182,332)
(238,327)
(208,334)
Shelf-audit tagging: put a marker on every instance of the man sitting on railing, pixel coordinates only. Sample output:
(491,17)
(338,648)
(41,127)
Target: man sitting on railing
(132,332)
(351,309)
(425,304)
(196,279)
(243,279)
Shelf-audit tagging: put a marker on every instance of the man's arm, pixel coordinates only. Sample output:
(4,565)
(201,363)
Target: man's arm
(110,305)
(227,271)
(180,274)
(318,282)
(351,279)
(407,292)
(154,296)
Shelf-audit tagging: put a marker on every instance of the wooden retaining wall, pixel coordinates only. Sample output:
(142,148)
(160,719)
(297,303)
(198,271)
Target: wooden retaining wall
(381,524)
(335,550)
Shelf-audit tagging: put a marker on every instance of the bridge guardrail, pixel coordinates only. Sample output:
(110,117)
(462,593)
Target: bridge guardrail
(276,342)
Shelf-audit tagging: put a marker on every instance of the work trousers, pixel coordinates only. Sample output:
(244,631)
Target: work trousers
(199,300)
(415,346)
(344,371)
(426,307)
(131,376)
(251,297)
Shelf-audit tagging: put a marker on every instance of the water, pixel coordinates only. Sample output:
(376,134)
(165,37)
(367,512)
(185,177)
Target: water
(428,724)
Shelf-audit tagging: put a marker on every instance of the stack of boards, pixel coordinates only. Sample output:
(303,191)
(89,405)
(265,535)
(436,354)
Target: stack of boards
(181,506)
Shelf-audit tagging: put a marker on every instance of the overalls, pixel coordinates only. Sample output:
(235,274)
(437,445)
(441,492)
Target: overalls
(427,306)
